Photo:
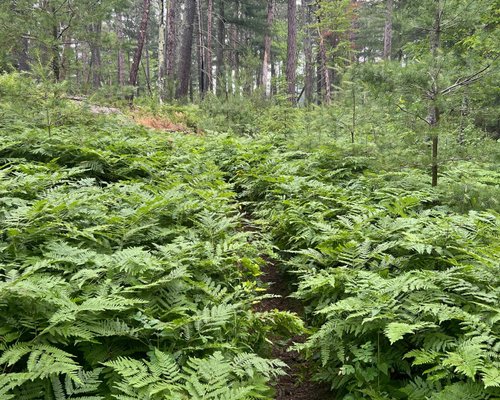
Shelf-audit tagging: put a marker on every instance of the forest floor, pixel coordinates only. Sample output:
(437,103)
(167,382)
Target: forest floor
(298,383)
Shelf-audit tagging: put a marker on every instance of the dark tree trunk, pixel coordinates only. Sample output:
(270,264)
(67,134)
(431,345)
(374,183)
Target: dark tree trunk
(184,72)
(95,54)
(433,115)
(23,57)
(134,70)
(388,30)
(171,39)
(291,59)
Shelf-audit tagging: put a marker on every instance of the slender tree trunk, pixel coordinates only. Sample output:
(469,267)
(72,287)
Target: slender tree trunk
(201,53)
(171,39)
(388,30)
(221,37)
(324,72)
(308,53)
(464,113)
(184,72)
(95,54)
(23,56)
(162,33)
(134,70)
(267,48)
(55,61)
(354,27)
(433,115)
(208,55)
(291,59)
(120,57)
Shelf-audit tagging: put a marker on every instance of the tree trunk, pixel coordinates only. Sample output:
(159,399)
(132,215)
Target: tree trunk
(221,37)
(388,30)
(134,70)
(308,53)
(208,56)
(464,113)
(95,54)
(162,33)
(120,57)
(23,58)
(291,59)
(324,74)
(184,72)
(171,40)
(267,48)
(55,58)
(202,74)
(433,115)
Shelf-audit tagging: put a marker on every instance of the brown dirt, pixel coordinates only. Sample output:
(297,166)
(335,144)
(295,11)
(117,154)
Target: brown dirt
(159,123)
(297,384)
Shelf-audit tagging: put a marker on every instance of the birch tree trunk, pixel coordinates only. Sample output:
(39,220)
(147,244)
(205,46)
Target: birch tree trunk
(221,37)
(267,48)
(208,53)
(388,30)
(308,53)
(291,59)
(162,33)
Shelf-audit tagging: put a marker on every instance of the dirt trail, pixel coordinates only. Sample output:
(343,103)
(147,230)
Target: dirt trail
(298,384)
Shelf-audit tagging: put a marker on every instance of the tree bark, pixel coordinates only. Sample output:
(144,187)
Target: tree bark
(162,33)
(184,72)
(388,30)
(267,48)
(120,57)
(171,40)
(433,115)
(291,59)
(208,55)
(134,70)
(221,37)
(95,54)
(308,53)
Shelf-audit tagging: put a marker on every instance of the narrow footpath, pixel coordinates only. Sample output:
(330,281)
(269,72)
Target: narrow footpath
(297,384)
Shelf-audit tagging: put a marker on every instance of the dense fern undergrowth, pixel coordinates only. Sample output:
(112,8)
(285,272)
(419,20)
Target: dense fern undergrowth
(126,270)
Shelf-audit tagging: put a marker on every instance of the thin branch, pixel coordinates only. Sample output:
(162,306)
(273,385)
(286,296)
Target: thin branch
(413,114)
(468,80)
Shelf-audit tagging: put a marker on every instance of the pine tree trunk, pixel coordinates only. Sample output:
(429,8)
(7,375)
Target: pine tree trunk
(291,59)
(267,48)
(55,57)
(171,39)
(433,115)
(184,72)
(134,70)
(388,30)
(120,57)
(95,54)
